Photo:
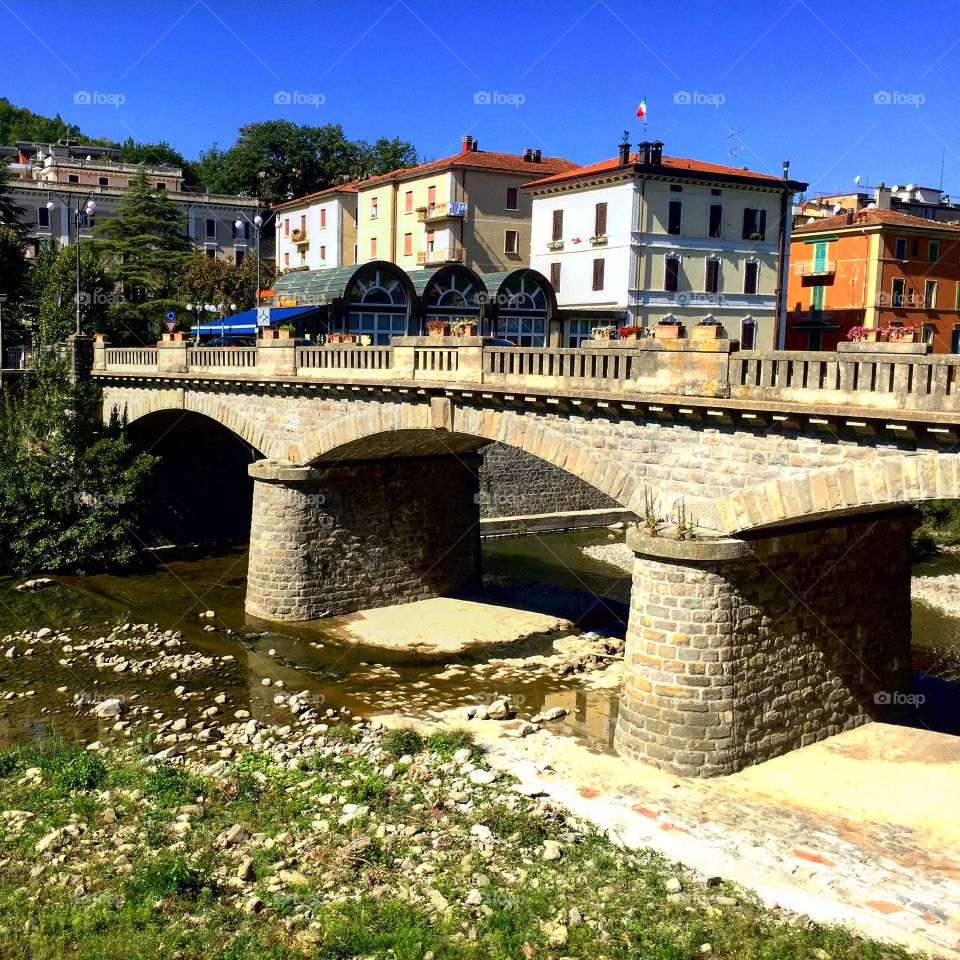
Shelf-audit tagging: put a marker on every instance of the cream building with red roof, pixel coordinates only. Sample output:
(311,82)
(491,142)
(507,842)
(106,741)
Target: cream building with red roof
(644,237)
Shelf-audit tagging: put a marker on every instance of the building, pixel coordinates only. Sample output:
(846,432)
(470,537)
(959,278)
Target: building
(319,230)
(929,203)
(874,268)
(66,173)
(468,208)
(646,237)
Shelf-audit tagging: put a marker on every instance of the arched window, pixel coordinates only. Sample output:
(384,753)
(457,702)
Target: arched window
(379,306)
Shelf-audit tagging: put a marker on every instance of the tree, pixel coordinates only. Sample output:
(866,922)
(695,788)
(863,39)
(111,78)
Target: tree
(385,155)
(155,155)
(13,258)
(53,286)
(145,249)
(70,488)
(209,280)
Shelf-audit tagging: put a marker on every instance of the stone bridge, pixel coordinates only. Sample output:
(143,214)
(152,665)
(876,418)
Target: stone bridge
(771,594)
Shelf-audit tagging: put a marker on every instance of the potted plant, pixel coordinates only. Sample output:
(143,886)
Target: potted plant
(707,329)
(631,332)
(668,328)
(902,334)
(178,336)
(268,333)
(860,334)
(286,331)
(464,328)
(605,332)
(438,328)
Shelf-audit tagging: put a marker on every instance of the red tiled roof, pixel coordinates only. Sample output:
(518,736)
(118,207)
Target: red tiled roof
(350,187)
(479,160)
(667,163)
(873,218)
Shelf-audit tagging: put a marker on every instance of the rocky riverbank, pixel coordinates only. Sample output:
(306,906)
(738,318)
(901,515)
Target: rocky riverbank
(616,554)
(942,592)
(331,836)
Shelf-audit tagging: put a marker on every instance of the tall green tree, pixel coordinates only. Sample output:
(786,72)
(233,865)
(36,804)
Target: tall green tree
(13,257)
(53,287)
(212,280)
(70,488)
(145,248)
(156,154)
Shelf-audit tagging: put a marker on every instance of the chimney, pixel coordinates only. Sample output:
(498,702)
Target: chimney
(849,217)
(537,155)
(474,144)
(527,155)
(643,150)
(786,169)
(881,197)
(465,144)
(625,149)
(656,152)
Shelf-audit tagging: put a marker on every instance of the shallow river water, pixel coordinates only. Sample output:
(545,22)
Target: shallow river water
(37,693)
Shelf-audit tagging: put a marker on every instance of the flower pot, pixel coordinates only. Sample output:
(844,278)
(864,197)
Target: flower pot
(467,330)
(667,331)
(177,337)
(602,335)
(268,333)
(875,336)
(285,334)
(705,331)
(437,328)
(897,335)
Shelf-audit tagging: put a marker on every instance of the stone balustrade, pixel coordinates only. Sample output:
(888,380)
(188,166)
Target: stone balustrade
(882,377)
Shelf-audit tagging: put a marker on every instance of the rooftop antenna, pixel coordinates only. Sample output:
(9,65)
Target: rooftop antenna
(942,154)
(735,149)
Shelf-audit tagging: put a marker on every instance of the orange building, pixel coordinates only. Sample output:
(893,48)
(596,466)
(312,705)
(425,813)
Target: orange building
(876,269)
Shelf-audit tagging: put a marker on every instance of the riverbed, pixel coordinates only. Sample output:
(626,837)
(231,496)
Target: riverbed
(252,659)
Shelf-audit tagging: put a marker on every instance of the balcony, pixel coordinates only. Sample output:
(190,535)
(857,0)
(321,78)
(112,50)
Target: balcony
(299,237)
(441,211)
(428,258)
(554,244)
(599,240)
(814,268)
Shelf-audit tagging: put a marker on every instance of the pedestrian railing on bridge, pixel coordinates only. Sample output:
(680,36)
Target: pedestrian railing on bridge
(857,375)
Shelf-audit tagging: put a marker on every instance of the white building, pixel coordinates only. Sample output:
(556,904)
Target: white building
(319,230)
(644,237)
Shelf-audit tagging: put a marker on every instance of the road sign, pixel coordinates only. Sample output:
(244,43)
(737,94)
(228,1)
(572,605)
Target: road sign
(263,316)
(171,322)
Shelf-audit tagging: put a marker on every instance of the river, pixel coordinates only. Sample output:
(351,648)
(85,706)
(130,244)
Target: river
(37,693)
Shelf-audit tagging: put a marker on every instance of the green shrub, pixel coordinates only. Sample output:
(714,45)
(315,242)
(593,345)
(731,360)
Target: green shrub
(445,743)
(400,743)
(164,876)
(83,772)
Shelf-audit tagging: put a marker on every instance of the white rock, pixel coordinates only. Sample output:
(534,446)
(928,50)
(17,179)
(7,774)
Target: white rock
(551,850)
(482,777)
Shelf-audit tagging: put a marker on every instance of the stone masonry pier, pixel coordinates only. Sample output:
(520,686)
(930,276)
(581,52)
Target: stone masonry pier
(784,621)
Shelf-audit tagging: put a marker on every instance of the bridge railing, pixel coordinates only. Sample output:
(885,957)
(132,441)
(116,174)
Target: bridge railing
(854,376)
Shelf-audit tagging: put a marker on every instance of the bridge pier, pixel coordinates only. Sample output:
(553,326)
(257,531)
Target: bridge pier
(741,650)
(339,537)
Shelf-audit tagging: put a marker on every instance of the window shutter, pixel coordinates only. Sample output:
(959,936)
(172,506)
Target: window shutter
(557,224)
(598,266)
(600,220)
(762,229)
(555,277)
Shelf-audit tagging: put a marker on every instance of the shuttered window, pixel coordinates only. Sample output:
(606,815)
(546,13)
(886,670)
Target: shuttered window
(600,220)
(598,268)
(557,225)
(675,217)
(555,277)
(671,274)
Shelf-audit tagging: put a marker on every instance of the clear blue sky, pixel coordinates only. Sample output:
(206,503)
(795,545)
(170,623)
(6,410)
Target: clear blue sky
(797,79)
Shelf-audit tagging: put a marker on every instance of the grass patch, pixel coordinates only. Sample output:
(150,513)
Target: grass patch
(401,743)
(166,875)
(445,743)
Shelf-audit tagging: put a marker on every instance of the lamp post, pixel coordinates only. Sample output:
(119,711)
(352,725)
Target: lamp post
(257,223)
(86,206)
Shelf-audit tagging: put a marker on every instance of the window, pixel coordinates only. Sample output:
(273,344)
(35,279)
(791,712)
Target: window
(161,186)
(712,280)
(555,277)
(212,254)
(557,225)
(323,218)
(748,333)
(72,178)
(676,188)
(956,299)
(598,271)
(930,295)
(955,340)
(238,256)
(323,253)
(754,224)
(915,248)
(408,202)
(900,249)
(933,251)
(816,299)
(671,274)
(578,331)
(897,292)
(814,339)
(286,259)
(523,331)
(513,198)
(600,220)
(43,220)
(303,225)
(716,219)
(104,181)
(511,241)
(674,217)
(286,228)
(374,207)
(431,196)
(373,246)
(431,240)
(407,244)
(929,332)
(211,229)
(751,276)
(716,193)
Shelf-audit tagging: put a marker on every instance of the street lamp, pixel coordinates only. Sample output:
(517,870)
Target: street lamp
(257,223)
(86,206)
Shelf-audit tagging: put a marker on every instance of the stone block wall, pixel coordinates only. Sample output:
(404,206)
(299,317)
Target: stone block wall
(785,640)
(514,483)
(335,539)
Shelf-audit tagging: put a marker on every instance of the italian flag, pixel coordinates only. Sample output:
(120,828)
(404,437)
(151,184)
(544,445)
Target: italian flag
(642,109)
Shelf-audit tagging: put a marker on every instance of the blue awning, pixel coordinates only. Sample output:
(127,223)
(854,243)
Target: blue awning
(245,322)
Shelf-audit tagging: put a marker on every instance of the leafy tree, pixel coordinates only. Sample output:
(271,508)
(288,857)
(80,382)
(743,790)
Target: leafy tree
(53,286)
(145,249)
(13,259)
(70,488)
(156,154)
(385,155)
(209,280)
